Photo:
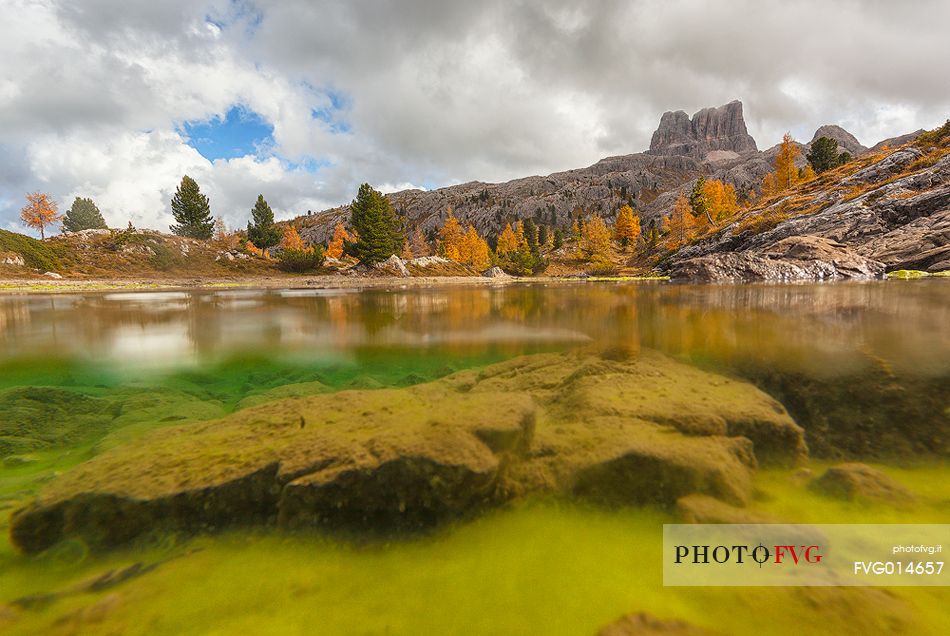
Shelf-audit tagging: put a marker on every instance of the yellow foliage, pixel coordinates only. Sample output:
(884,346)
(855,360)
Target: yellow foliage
(627,226)
(680,226)
(475,250)
(721,200)
(507,241)
(292,240)
(39,211)
(808,173)
(335,247)
(451,237)
(595,239)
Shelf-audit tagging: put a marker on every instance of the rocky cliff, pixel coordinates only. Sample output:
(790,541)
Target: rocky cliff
(888,211)
(710,129)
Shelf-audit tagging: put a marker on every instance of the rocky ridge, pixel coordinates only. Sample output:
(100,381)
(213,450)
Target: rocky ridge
(714,142)
(888,212)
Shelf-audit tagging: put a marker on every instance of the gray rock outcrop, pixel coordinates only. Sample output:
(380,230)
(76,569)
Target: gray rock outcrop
(710,129)
(846,141)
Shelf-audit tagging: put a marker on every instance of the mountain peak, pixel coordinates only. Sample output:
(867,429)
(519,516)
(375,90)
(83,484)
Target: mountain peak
(709,129)
(846,141)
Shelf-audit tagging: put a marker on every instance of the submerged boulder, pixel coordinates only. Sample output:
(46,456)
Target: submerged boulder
(643,624)
(859,481)
(645,429)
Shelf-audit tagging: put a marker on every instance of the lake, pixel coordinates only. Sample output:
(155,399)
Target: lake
(533,530)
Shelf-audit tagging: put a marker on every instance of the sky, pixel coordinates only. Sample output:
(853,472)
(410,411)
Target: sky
(303,100)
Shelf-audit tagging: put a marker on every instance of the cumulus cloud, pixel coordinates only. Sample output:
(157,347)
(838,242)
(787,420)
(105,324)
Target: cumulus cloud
(93,95)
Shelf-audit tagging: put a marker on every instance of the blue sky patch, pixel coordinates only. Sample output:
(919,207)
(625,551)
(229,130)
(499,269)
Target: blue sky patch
(240,132)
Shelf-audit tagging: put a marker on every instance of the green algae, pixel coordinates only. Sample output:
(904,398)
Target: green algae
(543,566)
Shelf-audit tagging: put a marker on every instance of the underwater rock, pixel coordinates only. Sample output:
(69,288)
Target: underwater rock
(859,481)
(628,431)
(643,624)
(703,509)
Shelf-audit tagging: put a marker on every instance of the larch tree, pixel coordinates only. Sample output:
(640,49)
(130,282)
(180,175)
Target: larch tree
(419,244)
(680,226)
(39,211)
(191,211)
(406,253)
(721,202)
(451,237)
(83,215)
(291,240)
(474,250)
(379,233)
(786,173)
(339,239)
(261,230)
(627,226)
(507,241)
(595,239)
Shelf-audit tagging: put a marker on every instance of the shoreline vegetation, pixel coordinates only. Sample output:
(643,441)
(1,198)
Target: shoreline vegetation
(785,229)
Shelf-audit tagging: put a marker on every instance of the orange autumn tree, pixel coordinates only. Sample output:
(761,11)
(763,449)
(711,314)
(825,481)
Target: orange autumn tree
(721,200)
(627,226)
(595,239)
(786,173)
(335,247)
(39,211)
(451,237)
(292,240)
(680,226)
(474,250)
(507,242)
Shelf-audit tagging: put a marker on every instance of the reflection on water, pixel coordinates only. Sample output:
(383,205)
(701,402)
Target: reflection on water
(819,328)
(864,368)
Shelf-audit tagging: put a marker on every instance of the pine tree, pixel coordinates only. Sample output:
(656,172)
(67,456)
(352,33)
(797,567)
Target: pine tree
(191,211)
(261,230)
(823,154)
(379,232)
(83,215)
(698,201)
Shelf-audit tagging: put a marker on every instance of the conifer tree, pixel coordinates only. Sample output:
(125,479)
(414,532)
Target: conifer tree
(379,232)
(627,226)
(698,201)
(823,154)
(261,230)
(507,241)
(83,215)
(340,237)
(595,240)
(680,226)
(191,211)
(451,237)
(419,244)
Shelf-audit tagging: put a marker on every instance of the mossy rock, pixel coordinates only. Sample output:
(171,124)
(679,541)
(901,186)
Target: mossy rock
(406,458)
(855,481)
(36,418)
